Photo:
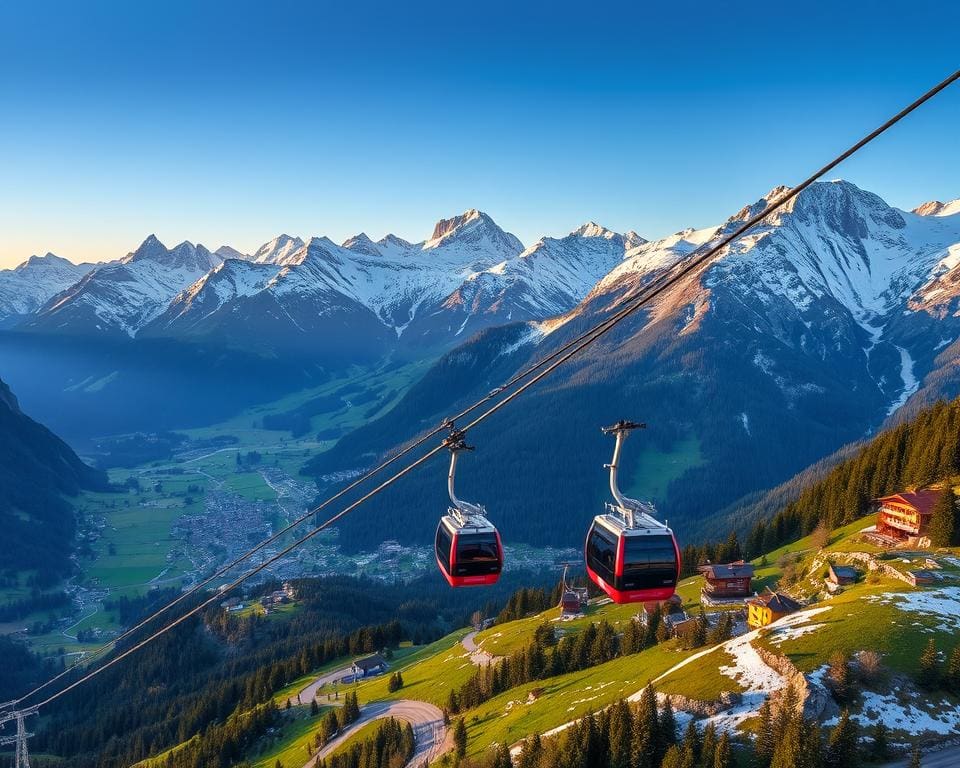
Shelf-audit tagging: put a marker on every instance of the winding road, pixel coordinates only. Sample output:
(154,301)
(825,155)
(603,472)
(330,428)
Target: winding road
(429,731)
(309,693)
(478,656)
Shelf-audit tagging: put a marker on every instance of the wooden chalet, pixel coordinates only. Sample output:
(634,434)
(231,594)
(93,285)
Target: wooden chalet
(730,580)
(841,575)
(768,607)
(905,515)
(921,578)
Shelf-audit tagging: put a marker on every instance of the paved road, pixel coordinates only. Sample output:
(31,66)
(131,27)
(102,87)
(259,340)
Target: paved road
(309,693)
(427,721)
(944,758)
(478,656)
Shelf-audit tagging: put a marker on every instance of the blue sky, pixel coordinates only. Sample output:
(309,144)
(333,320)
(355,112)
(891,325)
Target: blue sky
(232,122)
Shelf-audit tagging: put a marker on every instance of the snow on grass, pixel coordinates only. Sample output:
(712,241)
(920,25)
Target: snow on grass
(904,712)
(748,669)
(780,635)
(942,604)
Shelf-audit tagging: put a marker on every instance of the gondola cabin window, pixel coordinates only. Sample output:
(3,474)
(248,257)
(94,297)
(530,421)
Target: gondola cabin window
(602,553)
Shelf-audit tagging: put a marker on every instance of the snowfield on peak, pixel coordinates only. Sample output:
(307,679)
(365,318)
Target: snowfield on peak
(469,274)
(122,297)
(28,286)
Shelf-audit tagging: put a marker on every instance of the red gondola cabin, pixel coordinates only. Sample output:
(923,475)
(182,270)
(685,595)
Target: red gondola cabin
(632,565)
(471,554)
(629,554)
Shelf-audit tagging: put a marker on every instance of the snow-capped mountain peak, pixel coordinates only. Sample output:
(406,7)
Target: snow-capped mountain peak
(446,227)
(26,287)
(936,208)
(151,249)
(362,244)
(277,249)
(395,242)
(229,252)
(592,229)
(473,229)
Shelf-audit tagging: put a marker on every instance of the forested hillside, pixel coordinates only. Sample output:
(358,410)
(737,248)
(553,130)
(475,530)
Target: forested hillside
(923,451)
(217,676)
(37,470)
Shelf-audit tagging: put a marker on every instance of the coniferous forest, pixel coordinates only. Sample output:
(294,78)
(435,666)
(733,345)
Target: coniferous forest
(911,455)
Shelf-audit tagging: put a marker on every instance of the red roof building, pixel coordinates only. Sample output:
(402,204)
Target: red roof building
(907,514)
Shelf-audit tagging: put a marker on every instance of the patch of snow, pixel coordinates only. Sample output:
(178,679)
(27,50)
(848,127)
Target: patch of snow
(910,382)
(943,603)
(907,716)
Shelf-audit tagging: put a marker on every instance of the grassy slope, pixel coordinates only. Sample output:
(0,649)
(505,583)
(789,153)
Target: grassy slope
(428,674)
(289,744)
(856,620)
(513,715)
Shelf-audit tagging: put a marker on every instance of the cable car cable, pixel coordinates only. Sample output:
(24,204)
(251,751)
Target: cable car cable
(573,348)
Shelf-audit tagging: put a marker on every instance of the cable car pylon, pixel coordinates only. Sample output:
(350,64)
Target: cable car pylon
(22,758)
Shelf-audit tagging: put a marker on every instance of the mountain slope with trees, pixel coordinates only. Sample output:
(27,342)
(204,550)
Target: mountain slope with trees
(38,471)
(794,341)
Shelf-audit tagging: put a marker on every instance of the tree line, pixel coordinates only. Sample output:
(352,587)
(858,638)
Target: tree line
(915,454)
(392,746)
(217,666)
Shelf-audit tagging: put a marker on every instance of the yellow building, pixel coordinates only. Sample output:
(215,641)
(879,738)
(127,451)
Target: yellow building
(767,608)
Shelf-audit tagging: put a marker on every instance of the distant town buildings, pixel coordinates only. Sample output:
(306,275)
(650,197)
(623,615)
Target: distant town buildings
(286,594)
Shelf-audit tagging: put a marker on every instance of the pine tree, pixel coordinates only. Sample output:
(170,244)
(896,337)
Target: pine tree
(646,731)
(721,755)
(453,703)
(811,749)
(532,752)
(915,758)
(700,630)
(842,745)
(764,741)
(943,522)
(501,757)
(953,672)
(621,725)
(691,745)
(709,746)
(460,738)
(929,674)
(879,746)
(668,725)
(673,758)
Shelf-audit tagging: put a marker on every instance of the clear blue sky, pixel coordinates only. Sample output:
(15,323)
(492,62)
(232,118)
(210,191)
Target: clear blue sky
(232,122)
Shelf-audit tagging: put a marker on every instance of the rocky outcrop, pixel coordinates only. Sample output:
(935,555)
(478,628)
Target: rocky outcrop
(698,708)
(812,696)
